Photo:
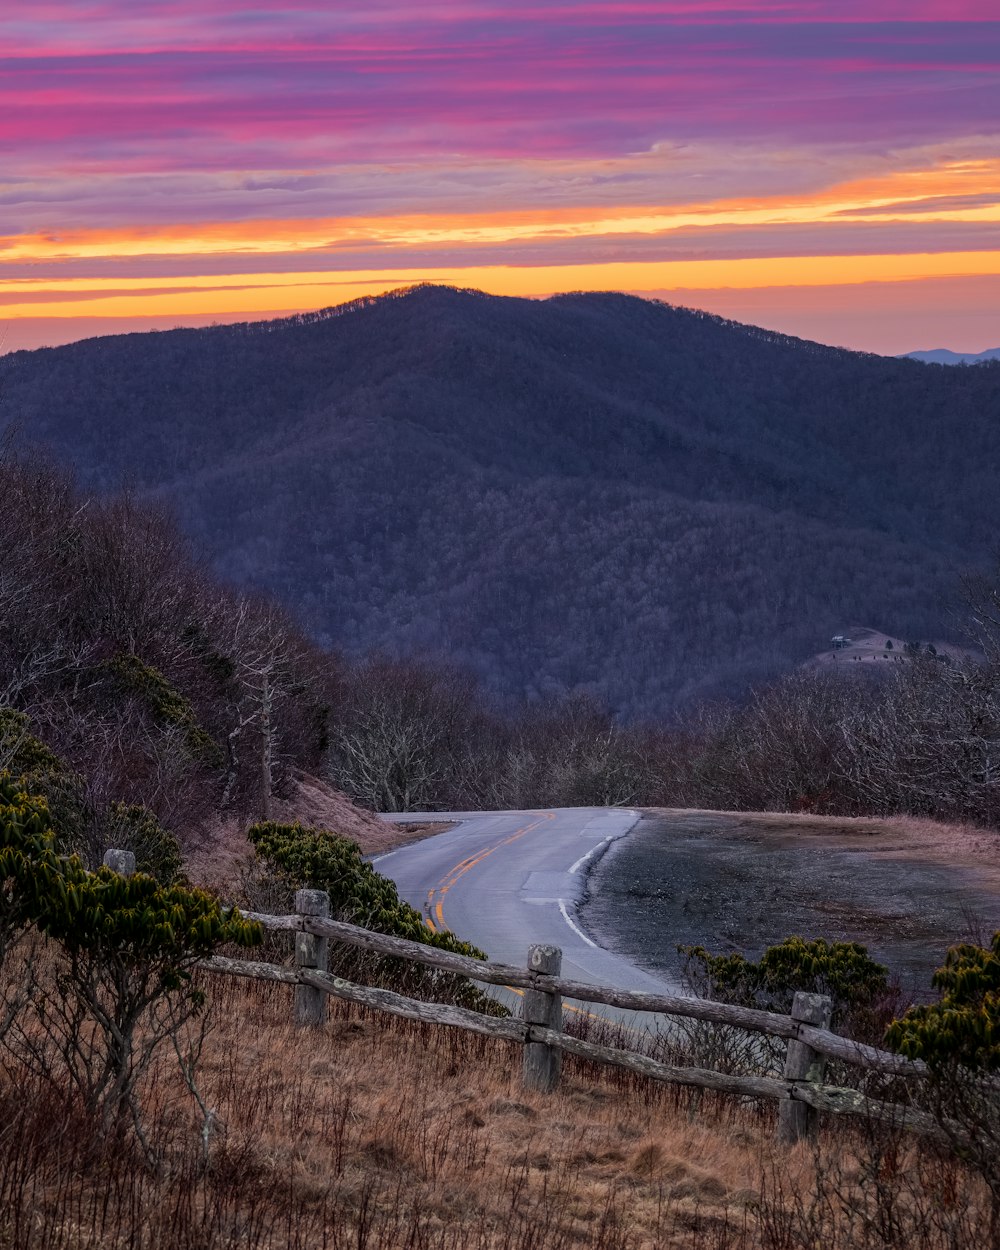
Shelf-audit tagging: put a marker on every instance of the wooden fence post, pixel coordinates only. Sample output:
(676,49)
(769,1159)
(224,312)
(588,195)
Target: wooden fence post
(314,953)
(121,862)
(543,1063)
(796,1120)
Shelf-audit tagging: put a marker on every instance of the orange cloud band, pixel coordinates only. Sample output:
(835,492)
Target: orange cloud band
(268,292)
(955,191)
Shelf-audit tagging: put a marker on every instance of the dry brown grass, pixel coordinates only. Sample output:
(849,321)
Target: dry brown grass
(380,1134)
(897,837)
(421,1135)
(223,848)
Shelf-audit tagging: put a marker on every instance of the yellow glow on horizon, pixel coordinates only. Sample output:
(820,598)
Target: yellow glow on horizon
(271,293)
(881,199)
(943,191)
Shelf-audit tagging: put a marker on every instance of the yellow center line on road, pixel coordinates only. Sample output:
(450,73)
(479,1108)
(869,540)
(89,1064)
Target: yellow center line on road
(459,870)
(453,875)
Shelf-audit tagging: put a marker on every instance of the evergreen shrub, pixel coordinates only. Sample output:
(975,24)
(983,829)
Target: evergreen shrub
(125,953)
(303,857)
(858,985)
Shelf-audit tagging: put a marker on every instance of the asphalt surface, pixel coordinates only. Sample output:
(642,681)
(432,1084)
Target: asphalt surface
(509,880)
(741,884)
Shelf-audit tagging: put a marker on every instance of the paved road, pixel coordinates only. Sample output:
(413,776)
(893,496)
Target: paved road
(508,880)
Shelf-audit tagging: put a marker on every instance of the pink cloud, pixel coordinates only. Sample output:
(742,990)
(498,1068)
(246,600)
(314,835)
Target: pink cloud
(497,88)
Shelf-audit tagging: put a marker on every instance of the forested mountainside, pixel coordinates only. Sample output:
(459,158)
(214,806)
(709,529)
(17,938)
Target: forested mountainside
(590,491)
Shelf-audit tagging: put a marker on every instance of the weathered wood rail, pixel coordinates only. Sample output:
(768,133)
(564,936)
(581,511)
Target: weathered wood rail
(799,1091)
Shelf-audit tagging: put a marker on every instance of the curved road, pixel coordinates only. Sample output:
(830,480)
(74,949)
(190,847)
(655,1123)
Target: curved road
(508,880)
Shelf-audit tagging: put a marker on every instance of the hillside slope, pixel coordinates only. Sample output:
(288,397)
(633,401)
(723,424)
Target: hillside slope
(592,490)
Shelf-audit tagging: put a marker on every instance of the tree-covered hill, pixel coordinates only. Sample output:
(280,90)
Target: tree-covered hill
(588,491)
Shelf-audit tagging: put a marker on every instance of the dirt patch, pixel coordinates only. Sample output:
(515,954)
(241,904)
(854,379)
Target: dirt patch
(312,802)
(874,646)
(316,803)
(418,831)
(907,889)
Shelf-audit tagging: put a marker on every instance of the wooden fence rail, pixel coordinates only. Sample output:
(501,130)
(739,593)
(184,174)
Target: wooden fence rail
(771,1023)
(799,1091)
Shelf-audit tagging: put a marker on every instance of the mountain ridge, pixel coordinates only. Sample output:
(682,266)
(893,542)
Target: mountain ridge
(588,492)
(944,356)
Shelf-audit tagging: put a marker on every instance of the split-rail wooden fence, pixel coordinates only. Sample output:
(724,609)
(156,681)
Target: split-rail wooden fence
(799,1091)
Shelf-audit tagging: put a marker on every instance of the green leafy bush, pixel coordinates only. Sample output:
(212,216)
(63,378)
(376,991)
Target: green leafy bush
(39,771)
(126,950)
(124,984)
(77,826)
(958,1037)
(26,845)
(132,827)
(964,1027)
(21,753)
(317,859)
(845,971)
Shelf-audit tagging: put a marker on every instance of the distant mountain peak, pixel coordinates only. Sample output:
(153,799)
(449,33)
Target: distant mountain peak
(944,356)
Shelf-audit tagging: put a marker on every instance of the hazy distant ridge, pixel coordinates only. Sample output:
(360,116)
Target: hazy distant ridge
(942,356)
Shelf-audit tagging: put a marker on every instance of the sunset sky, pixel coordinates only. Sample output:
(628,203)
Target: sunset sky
(829,168)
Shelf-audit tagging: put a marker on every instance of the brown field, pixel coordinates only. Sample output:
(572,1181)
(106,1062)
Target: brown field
(912,838)
(378,1134)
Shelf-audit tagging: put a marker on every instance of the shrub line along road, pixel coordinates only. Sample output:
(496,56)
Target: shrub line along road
(509,880)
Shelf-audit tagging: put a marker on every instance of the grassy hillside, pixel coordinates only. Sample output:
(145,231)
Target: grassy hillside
(589,491)
(383,1134)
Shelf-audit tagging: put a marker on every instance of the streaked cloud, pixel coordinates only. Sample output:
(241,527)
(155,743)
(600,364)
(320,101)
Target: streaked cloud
(178,159)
